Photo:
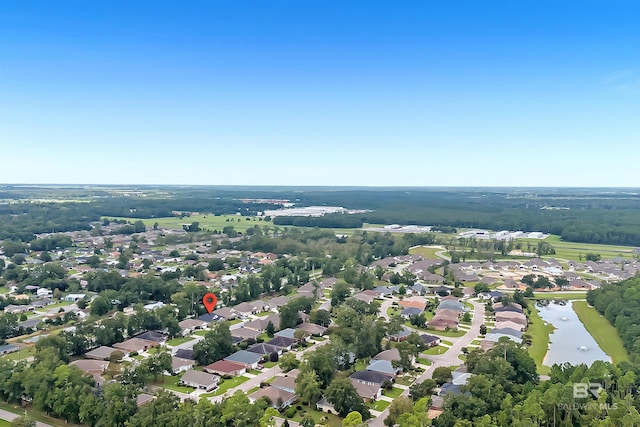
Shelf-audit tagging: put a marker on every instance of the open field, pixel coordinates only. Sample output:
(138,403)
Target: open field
(539,340)
(212,222)
(573,251)
(601,330)
(429,252)
(560,295)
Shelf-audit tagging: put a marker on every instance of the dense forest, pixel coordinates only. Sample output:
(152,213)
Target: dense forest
(580,215)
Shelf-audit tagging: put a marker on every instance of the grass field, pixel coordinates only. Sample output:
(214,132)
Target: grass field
(572,250)
(212,222)
(22,354)
(560,295)
(428,252)
(540,340)
(601,330)
(4,423)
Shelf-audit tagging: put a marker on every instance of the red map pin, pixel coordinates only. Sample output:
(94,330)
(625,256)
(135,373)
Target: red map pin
(209,300)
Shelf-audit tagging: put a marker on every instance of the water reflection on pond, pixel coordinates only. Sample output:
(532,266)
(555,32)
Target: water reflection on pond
(570,342)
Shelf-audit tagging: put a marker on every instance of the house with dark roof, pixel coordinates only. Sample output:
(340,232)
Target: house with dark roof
(184,353)
(153,336)
(282,342)
(430,340)
(264,349)
(370,377)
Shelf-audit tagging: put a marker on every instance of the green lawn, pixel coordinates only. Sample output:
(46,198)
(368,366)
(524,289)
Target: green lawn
(226,385)
(453,334)
(4,423)
(201,333)
(424,361)
(439,349)
(263,314)
(234,321)
(171,383)
(321,418)
(539,340)
(393,393)
(428,252)
(268,365)
(601,330)
(572,251)
(379,405)
(178,341)
(449,343)
(560,295)
(22,354)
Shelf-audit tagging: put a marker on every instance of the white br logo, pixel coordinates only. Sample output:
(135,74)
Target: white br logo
(582,390)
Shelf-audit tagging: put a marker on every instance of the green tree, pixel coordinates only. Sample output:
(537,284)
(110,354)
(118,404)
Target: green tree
(353,419)
(339,293)
(100,306)
(345,399)
(288,361)
(398,407)
(308,387)
(217,344)
(441,375)
(270,330)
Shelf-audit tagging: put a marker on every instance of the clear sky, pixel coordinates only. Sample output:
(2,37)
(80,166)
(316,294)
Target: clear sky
(319,92)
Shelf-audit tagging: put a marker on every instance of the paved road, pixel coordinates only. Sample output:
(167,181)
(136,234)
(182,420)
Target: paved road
(269,373)
(10,416)
(449,358)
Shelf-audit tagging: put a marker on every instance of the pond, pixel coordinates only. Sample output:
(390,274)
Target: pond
(570,341)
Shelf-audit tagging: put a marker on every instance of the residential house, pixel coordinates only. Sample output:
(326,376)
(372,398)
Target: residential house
(184,353)
(312,329)
(179,364)
(136,345)
(279,398)
(264,349)
(153,336)
(199,380)
(246,358)
(102,353)
(370,377)
(226,368)
(283,342)
(245,333)
(189,325)
(368,392)
(430,340)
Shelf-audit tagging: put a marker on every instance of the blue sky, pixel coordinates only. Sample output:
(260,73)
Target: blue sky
(428,93)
